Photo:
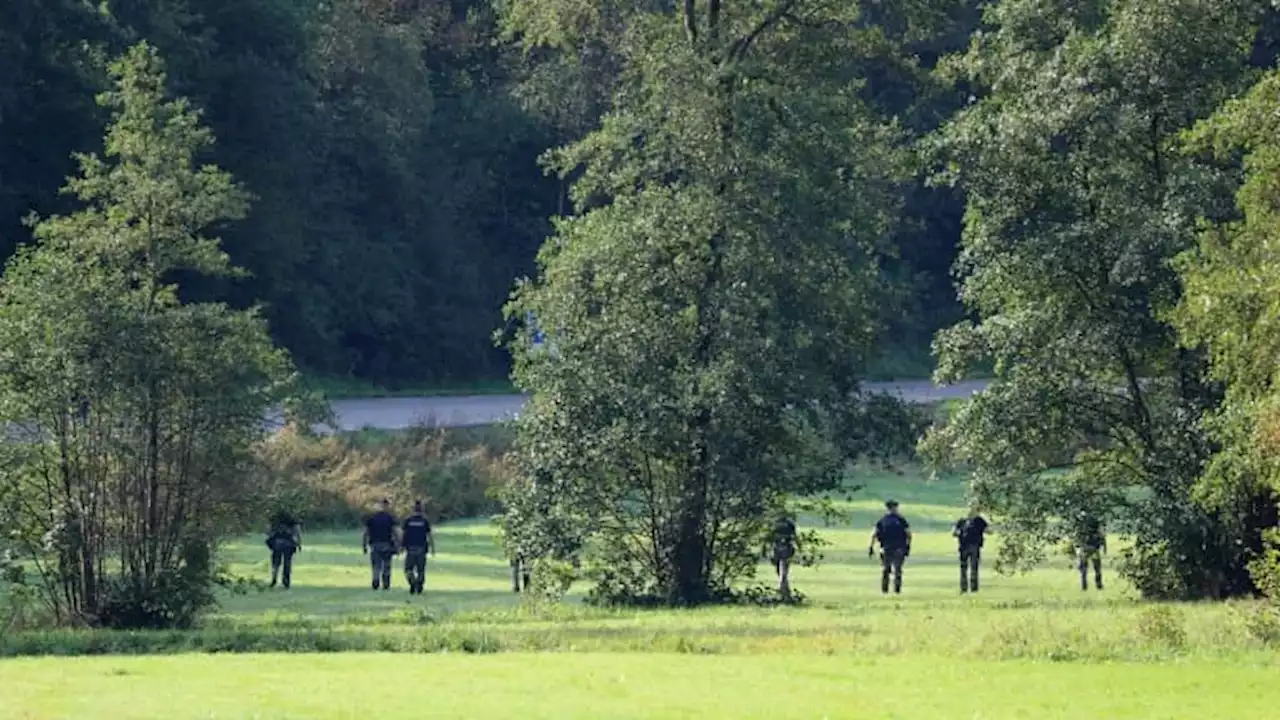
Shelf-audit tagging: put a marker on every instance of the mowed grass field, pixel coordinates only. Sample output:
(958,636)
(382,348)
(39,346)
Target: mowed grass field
(593,685)
(1027,646)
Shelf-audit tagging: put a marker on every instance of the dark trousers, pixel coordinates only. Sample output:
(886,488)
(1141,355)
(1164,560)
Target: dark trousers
(519,574)
(1087,557)
(380,555)
(891,560)
(282,558)
(783,552)
(415,568)
(970,558)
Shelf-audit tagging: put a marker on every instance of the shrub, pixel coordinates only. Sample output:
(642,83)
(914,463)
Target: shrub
(1164,625)
(174,600)
(1260,620)
(550,580)
(333,480)
(1265,568)
(17,598)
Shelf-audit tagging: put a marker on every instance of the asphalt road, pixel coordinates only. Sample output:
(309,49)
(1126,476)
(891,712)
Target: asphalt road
(466,411)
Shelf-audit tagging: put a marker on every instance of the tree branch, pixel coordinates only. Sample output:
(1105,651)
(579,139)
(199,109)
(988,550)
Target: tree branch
(690,22)
(743,44)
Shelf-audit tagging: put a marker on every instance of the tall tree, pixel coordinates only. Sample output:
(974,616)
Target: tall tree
(1231,308)
(1077,200)
(710,306)
(142,411)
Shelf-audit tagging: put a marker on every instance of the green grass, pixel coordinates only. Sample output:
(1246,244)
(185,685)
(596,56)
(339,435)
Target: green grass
(1040,615)
(645,685)
(1030,646)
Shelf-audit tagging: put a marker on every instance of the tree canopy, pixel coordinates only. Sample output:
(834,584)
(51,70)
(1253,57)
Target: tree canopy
(138,412)
(392,148)
(711,304)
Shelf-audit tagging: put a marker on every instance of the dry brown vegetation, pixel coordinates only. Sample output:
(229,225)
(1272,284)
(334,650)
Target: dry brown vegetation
(333,480)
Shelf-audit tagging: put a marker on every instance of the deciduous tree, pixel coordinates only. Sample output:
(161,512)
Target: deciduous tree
(710,306)
(1077,200)
(137,413)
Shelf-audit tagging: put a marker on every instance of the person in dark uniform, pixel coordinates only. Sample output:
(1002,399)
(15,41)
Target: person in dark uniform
(379,543)
(893,533)
(416,538)
(284,539)
(969,533)
(1091,543)
(786,542)
(521,575)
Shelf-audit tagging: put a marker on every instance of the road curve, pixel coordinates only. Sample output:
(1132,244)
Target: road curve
(468,411)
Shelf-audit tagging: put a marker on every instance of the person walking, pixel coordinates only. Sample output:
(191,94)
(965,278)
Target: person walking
(284,539)
(379,543)
(786,542)
(1091,544)
(893,533)
(417,540)
(969,533)
(521,575)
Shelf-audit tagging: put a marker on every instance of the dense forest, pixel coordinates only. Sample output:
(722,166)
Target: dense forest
(392,150)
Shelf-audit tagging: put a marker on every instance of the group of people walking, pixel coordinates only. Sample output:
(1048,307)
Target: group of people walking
(384,537)
(892,533)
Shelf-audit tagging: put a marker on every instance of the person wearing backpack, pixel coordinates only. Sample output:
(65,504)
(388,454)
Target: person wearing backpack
(417,540)
(283,540)
(969,533)
(893,533)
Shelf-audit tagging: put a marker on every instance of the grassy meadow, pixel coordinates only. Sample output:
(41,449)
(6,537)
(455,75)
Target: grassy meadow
(1027,646)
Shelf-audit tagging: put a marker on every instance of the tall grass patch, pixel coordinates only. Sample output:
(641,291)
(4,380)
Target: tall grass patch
(331,481)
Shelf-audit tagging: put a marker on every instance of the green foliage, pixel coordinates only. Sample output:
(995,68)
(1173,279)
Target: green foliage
(392,147)
(1077,201)
(140,412)
(1229,308)
(397,193)
(711,304)
(1266,567)
(1163,624)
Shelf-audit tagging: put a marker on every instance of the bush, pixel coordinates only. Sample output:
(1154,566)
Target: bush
(1164,625)
(1154,572)
(1261,621)
(173,601)
(1265,568)
(550,580)
(17,598)
(333,480)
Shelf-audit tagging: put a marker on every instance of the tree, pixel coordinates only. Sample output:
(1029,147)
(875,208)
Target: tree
(1231,308)
(139,412)
(710,306)
(1077,200)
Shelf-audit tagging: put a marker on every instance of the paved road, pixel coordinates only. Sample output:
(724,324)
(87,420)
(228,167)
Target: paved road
(399,413)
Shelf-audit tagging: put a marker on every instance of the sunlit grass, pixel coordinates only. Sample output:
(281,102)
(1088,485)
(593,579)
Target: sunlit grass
(1027,646)
(639,685)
